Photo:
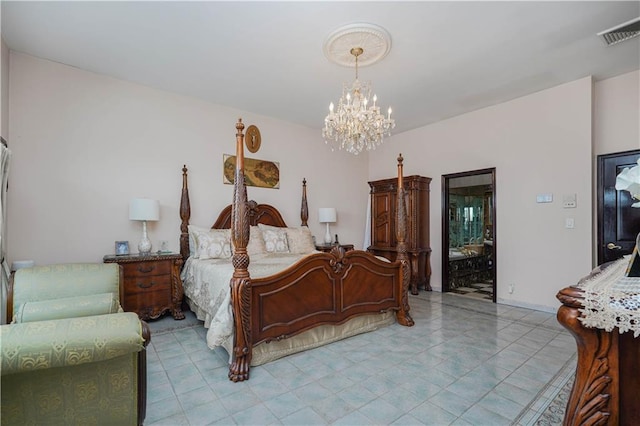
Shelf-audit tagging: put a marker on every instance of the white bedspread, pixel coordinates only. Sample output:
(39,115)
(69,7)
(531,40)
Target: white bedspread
(206,286)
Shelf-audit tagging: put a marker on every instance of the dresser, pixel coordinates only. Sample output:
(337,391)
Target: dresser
(383,225)
(152,284)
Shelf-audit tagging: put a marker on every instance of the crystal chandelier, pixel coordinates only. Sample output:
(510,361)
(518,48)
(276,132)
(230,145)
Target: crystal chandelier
(356,125)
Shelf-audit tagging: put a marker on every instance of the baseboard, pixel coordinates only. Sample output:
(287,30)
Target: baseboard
(518,304)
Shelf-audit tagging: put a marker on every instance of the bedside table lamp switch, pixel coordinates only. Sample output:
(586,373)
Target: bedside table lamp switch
(144,209)
(327,215)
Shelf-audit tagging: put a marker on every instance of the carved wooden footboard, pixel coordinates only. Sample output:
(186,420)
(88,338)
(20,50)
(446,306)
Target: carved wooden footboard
(322,288)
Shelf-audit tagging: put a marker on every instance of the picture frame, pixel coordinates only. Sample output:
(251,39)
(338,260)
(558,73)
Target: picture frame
(122,248)
(260,173)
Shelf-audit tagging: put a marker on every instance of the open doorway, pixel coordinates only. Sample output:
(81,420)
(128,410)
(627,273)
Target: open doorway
(468,233)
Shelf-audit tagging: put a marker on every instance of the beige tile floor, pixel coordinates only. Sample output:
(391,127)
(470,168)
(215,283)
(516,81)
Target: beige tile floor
(465,362)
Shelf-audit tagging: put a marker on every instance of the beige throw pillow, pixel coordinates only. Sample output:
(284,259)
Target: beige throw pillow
(209,243)
(215,244)
(300,240)
(275,239)
(256,242)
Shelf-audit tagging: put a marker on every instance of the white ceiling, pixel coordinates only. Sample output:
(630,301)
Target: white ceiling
(446,58)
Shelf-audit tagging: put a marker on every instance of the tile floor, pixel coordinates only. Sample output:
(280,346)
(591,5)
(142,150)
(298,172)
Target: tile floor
(465,362)
(477,290)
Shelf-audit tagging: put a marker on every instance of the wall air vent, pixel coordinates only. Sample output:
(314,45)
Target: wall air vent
(622,32)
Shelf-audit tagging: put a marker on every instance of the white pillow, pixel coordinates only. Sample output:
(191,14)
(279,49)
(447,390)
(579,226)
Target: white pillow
(215,244)
(207,243)
(275,238)
(300,240)
(256,242)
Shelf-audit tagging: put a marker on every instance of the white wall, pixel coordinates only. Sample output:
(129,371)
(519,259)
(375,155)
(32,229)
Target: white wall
(616,114)
(538,144)
(84,144)
(4,89)
(616,126)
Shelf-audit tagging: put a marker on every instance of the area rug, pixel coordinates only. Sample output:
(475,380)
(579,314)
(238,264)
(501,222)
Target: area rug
(167,323)
(549,406)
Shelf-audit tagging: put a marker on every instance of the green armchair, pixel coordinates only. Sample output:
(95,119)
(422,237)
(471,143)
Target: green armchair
(64,291)
(86,370)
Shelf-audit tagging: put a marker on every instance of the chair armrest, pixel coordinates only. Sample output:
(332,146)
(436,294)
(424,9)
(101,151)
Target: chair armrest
(68,307)
(67,342)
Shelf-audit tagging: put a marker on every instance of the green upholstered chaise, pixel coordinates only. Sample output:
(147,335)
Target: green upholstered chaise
(89,370)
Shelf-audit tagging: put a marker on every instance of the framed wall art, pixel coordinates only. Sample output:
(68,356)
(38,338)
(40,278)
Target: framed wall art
(260,173)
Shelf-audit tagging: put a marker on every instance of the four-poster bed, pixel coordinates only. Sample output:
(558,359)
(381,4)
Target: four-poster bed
(287,302)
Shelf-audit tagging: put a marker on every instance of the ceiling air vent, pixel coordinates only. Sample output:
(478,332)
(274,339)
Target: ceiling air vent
(622,32)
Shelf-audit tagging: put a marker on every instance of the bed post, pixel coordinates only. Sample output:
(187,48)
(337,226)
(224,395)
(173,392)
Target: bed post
(185,214)
(403,315)
(240,282)
(304,209)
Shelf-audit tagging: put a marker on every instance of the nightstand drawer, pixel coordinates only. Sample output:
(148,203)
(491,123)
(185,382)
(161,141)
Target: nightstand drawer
(148,303)
(146,284)
(144,269)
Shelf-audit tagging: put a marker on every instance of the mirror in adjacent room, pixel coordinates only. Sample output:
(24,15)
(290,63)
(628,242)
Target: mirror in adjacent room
(468,234)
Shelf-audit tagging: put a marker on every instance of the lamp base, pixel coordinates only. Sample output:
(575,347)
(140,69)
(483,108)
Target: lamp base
(144,247)
(327,236)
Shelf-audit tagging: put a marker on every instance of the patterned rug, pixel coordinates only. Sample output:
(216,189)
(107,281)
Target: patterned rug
(549,406)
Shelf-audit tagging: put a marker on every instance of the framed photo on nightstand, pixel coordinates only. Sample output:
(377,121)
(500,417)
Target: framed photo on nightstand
(122,248)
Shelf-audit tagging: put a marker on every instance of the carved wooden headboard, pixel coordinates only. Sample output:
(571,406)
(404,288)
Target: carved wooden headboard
(258,213)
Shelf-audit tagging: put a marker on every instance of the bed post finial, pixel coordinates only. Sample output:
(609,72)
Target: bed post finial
(403,315)
(304,209)
(185,215)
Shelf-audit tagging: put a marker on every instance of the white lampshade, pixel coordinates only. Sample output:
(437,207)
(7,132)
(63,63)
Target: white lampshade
(144,209)
(327,215)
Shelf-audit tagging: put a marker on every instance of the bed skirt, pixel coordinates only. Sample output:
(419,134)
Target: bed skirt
(316,337)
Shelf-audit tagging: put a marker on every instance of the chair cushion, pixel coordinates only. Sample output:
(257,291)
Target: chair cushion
(68,307)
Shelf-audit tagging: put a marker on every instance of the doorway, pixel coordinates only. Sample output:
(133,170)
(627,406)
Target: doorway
(468,233)
(618,223)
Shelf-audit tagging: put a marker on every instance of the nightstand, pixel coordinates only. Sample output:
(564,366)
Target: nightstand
(327,247)
(152,284)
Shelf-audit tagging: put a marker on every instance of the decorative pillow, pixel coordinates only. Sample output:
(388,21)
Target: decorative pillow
(214,244)
(300,240)
(275,238)
(193,239)
(207,243)
(256,242)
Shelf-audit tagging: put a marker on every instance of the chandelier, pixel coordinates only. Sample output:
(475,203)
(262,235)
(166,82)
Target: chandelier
(356,124)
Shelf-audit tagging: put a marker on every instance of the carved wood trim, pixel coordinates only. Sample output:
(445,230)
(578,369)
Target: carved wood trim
(185,215)
(403,315)
(594,391)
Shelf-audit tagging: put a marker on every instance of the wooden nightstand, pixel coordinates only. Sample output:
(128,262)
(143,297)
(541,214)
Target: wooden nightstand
(327,247)
(152,284)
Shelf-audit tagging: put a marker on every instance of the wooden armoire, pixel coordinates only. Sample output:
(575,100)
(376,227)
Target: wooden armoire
(383,226)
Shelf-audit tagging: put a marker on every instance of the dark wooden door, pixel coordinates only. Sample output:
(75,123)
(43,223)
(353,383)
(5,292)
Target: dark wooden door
(618,222)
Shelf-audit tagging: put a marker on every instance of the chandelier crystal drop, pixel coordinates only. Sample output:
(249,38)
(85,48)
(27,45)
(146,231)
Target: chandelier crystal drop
(356,124)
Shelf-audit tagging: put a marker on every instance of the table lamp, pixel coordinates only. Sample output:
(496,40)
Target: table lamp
(144,209)
(327,215)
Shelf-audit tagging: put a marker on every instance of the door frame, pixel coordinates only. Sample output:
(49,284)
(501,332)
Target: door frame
(600,247)
(445,224)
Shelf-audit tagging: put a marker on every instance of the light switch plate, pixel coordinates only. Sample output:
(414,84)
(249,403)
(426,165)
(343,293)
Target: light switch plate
(569,223)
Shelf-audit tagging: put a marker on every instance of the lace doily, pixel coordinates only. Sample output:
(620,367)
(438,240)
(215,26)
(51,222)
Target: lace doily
(611,299)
